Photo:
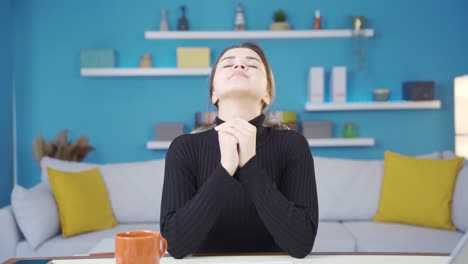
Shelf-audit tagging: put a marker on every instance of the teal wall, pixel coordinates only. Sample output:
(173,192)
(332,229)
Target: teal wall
(412,42)
(6,121)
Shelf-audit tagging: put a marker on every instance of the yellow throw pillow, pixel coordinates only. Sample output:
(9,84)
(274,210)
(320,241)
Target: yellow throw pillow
(82,201)
(418,191)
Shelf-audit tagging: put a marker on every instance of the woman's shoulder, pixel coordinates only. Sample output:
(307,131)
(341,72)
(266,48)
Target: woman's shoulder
(191,140)
(288,136)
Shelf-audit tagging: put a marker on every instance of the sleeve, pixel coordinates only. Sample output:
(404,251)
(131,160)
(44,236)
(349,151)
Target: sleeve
(188,213)
(289,211)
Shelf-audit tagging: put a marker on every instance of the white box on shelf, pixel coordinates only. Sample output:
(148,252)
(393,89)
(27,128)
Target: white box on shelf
(338,84)
(316,85)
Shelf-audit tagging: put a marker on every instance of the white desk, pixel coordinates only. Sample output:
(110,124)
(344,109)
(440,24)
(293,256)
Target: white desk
(315,259)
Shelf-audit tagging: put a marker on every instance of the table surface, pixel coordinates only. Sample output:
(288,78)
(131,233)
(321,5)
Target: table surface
(317,258)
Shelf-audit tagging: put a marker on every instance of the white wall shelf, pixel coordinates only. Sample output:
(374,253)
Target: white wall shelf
(141,72)
(391,105)
(320,142)
(341,142)
(259,34)
(158,144)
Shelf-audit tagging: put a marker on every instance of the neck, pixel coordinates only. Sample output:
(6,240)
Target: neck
(245,109)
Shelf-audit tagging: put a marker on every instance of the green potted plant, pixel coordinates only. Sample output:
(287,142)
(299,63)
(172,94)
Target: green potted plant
(61,148)
(279,19)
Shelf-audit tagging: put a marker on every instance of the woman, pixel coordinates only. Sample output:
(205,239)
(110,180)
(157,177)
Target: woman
(240,187)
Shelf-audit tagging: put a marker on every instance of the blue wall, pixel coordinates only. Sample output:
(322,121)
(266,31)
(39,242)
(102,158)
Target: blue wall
(412,42)
(6,120)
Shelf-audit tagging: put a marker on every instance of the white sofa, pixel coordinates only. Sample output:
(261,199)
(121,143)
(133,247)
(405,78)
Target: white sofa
(348,192)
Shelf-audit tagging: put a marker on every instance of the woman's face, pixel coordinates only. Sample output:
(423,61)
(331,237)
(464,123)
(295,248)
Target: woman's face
(240,73)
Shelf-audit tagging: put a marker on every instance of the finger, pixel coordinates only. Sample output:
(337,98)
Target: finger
(233,131)
(229,135)
(244,125)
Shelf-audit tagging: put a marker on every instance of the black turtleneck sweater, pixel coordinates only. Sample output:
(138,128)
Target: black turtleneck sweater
(270,204)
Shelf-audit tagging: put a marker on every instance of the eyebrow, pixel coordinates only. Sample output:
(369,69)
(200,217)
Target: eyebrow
(248,57)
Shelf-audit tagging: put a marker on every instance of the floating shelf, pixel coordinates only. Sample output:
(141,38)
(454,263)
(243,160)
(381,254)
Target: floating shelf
(341,142)
(259,34)
(391,105)
(158,144)
(322,142)
(127,72)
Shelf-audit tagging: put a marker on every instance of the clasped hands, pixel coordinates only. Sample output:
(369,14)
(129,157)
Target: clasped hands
(237,143)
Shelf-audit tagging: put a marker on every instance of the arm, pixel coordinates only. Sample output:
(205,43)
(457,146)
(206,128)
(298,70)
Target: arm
(188,214)
(11,235)
(289,211)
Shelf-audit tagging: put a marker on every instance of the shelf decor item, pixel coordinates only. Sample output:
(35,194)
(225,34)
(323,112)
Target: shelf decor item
(358,49)
(280,21)
(338,84)
(317,20)
(183,24)
(317,129)
(205,119)
(460,115)
(358,23)
(240,20)
(98,58)
(146,61)
(288,118)
(381,95)
(163,24)
(168,131)
(418,90)
(316,85)
(193,57)
(62,148)
(350,130)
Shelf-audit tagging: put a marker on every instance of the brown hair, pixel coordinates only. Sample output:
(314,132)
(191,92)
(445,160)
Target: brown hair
(271,89)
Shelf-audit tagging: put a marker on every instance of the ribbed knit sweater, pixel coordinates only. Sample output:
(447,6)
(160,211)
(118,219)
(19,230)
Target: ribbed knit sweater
(269,205)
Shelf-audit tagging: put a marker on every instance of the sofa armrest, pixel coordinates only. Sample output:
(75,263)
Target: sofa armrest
(11,234)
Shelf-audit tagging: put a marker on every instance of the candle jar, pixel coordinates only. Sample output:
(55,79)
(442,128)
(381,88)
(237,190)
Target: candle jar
(350,131)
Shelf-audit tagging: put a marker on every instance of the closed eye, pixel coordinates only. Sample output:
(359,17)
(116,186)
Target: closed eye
(253,66)
(227,66)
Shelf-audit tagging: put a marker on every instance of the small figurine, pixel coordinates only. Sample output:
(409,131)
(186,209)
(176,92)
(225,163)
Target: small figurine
(317,20)
(183,22)
(240,21)
(163,25)
(146,61)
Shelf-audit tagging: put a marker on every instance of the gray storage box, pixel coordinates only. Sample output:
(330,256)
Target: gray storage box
(317,129)
(167,132)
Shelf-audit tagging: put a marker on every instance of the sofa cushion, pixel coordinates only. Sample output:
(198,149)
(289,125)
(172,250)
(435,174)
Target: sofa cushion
(389,237)
(80,244)
(404,199)
(135,190)
(333,237)
(342,184)
(460,200)
(460,195)
(63,165)
(82,200)
(128,184)
(36,213)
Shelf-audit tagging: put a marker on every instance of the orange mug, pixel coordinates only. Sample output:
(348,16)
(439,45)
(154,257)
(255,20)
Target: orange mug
(139,247)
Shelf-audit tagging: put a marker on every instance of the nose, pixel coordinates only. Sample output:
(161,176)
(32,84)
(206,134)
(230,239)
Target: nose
(239,66)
